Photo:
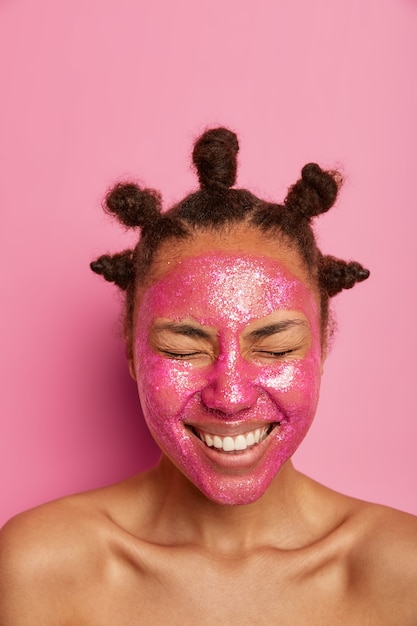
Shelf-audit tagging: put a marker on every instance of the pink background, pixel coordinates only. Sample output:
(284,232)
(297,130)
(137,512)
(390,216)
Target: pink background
(99,89)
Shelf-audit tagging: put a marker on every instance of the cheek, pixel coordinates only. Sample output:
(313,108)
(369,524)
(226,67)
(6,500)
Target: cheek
(294,386)
(164,385)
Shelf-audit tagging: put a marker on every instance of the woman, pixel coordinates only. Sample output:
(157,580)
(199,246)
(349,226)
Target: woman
(226,330)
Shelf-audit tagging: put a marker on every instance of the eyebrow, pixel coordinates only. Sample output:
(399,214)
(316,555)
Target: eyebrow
(182,328)
(278,327)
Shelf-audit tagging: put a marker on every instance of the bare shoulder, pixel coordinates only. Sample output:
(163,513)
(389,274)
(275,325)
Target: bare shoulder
(376,549)
(387,537)
(48,554)
(40,552)
(384,558)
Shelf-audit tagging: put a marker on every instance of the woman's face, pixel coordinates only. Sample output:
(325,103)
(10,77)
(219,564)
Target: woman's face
(227,358)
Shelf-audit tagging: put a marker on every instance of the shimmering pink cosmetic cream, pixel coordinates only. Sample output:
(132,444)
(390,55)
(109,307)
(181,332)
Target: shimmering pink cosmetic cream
(233,393)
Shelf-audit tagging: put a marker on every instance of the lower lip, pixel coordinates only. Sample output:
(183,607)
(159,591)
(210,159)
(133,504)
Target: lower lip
(237,459)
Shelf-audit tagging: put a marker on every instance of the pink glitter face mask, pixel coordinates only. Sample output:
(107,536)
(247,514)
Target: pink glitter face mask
(228,363)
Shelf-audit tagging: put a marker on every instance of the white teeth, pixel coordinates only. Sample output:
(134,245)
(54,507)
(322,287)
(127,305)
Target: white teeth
(217,442)
(250,439)
(228,444)
(240,442)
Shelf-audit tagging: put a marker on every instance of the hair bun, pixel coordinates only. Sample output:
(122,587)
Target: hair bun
(117,268)
(214,156)
(315,192)
(336,275)
(132,205)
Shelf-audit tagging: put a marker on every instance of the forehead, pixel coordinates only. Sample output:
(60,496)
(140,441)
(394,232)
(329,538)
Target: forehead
(242,239)
(226,286)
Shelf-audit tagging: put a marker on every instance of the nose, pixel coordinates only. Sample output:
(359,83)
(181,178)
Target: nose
(230,388)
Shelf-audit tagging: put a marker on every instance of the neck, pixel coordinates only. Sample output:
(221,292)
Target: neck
(182,514)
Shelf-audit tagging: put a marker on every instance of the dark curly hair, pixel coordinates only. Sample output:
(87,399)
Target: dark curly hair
(217,205)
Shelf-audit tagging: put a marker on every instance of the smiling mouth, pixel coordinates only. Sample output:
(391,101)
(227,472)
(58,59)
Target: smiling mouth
(238,443)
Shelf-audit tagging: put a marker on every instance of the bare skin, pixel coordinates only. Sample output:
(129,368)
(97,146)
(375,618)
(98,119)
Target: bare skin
(155,550)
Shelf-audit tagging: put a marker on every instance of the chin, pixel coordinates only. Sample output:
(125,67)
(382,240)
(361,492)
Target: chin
(235,491)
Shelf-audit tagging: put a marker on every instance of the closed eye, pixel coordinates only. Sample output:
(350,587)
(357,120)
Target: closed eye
(275,354)
(179,355)
(295,352)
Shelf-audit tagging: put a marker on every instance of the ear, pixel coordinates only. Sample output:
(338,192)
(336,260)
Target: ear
(323,356)
(132,370)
